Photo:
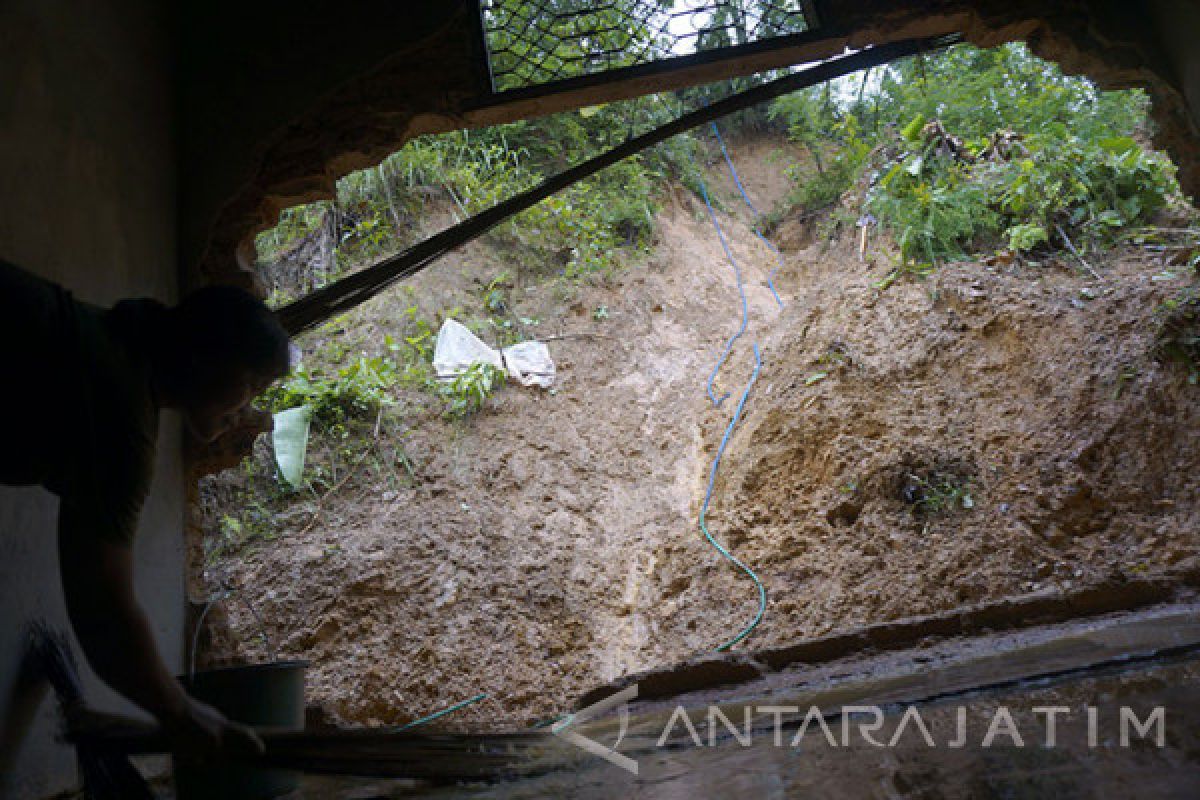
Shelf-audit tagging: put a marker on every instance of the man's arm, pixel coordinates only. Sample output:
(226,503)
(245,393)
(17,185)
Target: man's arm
(97,576)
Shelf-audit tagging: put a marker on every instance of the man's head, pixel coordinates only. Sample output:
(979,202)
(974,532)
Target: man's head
(222,347)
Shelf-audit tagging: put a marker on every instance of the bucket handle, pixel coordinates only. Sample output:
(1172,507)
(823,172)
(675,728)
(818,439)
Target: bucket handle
(212,601)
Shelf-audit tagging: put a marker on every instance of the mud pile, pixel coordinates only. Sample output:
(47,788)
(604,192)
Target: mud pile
(986,433)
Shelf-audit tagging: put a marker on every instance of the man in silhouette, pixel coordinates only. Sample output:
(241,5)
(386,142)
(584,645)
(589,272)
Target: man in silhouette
(79,408)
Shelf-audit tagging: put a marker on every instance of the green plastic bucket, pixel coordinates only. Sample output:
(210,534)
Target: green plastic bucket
(269,695)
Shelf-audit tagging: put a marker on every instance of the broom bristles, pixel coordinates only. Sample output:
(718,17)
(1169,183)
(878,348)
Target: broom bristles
(107,775)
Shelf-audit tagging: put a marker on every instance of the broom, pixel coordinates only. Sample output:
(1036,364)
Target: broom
(107,773)
(104,741)
(435,758)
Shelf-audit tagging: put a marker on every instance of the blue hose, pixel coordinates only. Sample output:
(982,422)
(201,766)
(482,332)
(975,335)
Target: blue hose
(737,272)
(738,182)
(712,477)
(737,416)
(443,712)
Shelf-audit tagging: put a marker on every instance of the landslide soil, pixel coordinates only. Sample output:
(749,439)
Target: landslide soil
(550,543)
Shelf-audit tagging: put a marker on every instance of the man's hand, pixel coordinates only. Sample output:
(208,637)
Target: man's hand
(119,643)
(200,731)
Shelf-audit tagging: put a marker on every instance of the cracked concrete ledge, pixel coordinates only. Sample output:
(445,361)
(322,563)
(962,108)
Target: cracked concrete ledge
(712,672)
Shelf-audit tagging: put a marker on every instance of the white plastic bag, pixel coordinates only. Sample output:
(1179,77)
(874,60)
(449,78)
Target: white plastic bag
(528,363)
(457,349)
(290,438)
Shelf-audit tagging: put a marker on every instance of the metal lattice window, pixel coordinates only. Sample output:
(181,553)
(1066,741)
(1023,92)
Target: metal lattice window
(533,42)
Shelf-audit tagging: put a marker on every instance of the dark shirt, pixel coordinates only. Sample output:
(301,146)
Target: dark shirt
(77,411)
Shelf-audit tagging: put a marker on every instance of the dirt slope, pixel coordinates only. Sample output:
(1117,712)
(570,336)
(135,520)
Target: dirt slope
(550,544)
(1077,449)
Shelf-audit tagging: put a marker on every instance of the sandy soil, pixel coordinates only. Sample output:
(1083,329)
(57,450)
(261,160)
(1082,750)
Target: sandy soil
(550,544)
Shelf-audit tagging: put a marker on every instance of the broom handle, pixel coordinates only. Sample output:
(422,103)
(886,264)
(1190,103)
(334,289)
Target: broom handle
(134,736)
(125,734)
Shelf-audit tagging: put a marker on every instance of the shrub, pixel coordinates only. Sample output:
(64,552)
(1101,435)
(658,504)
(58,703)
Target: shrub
(1093,188)
(356,391)
(934,210)
(941,205)
(833,177)
(466,394)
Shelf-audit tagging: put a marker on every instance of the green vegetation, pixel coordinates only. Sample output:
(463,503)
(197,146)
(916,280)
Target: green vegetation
(357,390)
(938,492)
(942,202)
(973,149)
(588,230)
(466,393)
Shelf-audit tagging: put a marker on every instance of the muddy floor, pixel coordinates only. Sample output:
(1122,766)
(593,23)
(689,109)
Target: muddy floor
(989,431)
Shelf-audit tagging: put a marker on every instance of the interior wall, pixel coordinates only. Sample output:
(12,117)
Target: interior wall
(1175,22)
(87,199)
(249,70)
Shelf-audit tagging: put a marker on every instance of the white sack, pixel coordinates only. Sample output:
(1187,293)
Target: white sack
(528,363)
(290,438)
(457,349)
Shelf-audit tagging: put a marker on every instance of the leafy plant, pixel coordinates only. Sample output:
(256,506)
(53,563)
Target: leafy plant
(466,394)
(941,207)
(1094,188)
(357,390)
(935,210)
(1026,237)
(938,493)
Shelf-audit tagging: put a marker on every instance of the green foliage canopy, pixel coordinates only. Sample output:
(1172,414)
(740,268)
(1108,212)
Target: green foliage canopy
(970,148)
